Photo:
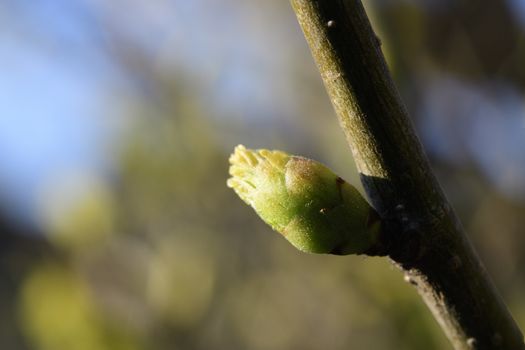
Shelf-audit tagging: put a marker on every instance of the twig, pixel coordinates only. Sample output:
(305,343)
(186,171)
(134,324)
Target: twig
(425,238)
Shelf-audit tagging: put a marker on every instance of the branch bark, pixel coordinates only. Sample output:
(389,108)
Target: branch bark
(424,237)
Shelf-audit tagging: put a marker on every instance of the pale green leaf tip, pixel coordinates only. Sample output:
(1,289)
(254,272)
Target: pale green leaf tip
(246,165)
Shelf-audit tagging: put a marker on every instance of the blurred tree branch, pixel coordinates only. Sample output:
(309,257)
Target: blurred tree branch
(425,238)
(20,248)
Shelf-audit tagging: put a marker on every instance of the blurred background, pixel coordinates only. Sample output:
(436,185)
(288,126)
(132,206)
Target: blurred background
(116,121)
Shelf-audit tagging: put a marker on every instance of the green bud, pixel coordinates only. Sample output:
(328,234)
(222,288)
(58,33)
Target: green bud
(314,209)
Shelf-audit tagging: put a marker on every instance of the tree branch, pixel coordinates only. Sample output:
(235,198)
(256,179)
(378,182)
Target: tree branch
(424,237)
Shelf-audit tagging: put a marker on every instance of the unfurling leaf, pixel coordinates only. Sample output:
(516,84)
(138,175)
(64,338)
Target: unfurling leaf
(314,209)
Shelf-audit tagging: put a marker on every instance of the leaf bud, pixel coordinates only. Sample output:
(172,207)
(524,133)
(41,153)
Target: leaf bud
(313,208)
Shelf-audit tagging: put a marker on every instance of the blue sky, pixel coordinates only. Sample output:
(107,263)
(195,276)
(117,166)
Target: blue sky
(56,78)
(51,101)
